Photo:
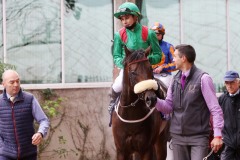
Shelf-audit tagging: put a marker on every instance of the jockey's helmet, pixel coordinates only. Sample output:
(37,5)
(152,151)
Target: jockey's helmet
(127,8)
(158,28)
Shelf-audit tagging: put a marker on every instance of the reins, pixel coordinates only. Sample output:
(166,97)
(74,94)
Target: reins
(140,60)
(132,104)
(209,154)
(133,121)
(135,102)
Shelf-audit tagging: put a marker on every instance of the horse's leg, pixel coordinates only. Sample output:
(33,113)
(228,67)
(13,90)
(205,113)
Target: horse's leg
(120,156)
(161,144)
(161,149)
(148,155)
(123,155)
(135,156)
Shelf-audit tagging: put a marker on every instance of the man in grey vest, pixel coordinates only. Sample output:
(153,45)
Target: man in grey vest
(192,99)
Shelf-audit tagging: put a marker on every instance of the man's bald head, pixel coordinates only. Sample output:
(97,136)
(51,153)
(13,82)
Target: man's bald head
(8,73)
(11,82)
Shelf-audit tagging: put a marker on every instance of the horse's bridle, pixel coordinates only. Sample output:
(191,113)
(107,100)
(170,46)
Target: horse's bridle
(141,95)
(136,61)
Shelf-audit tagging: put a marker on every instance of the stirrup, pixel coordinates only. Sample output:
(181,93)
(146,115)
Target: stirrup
(111,107)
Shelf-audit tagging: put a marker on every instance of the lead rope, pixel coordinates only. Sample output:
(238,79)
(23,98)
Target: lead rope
(209,154)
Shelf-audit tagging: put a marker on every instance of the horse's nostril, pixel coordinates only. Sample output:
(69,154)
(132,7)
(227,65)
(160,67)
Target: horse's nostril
(150,101)
(147,99)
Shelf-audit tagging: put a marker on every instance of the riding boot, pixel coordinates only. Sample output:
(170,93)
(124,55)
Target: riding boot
(113,97)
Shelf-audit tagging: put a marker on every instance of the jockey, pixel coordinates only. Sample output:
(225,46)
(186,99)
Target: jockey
(132,33)
(163,69)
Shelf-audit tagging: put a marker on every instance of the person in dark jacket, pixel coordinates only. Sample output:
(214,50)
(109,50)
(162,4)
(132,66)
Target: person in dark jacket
(230,103)
(19,109)
(191,98)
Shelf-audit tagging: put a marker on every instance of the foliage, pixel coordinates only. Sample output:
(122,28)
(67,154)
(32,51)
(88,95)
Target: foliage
(5,66)
(48,93)
(52,103)
(52,106)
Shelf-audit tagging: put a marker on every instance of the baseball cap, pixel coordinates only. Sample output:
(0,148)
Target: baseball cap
(231,76)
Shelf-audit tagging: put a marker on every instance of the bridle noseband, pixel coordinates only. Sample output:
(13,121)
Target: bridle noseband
(137,61)
(140,97)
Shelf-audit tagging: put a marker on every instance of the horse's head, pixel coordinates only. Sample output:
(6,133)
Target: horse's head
(138,75)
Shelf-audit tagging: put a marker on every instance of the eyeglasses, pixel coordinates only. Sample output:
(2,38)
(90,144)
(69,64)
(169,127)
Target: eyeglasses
(124,10)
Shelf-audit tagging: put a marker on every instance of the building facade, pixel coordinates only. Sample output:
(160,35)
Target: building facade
(67,45)
(66,42)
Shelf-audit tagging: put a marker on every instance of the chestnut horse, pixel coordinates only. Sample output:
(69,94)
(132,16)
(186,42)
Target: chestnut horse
(137,126)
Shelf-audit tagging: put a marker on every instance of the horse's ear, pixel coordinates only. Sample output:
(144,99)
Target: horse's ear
(147,51)
(127,51)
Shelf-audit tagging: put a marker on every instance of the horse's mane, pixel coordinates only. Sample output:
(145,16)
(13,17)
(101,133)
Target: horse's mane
(135,55)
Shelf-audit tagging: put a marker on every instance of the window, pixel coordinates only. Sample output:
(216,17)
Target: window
(211,27)
(59,41)
(33,39)
(234,35)
(204,27)
(167,13)
(88,29)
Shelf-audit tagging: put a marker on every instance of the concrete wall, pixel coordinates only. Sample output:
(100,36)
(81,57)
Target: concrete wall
(84,132)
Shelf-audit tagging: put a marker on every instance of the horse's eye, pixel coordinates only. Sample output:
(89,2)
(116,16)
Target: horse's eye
(133,73)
